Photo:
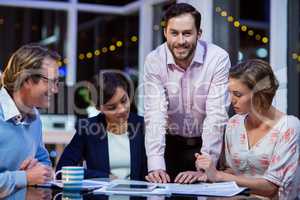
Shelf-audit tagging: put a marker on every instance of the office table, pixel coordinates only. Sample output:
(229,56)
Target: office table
(34,193)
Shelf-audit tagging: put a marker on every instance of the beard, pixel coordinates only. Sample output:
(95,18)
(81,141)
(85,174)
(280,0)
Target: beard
(186,53)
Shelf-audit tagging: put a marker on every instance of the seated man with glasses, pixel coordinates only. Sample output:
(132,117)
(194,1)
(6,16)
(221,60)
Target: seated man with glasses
(29,80)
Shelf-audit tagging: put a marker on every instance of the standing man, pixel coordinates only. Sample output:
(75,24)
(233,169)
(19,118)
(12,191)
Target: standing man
(27,83)
(186,98)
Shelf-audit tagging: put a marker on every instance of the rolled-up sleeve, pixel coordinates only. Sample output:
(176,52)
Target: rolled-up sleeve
(217,105)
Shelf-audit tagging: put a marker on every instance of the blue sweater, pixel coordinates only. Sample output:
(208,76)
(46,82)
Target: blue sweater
(19,140)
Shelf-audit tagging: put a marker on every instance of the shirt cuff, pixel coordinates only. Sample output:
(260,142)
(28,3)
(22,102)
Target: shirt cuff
(21,179)
(156,162)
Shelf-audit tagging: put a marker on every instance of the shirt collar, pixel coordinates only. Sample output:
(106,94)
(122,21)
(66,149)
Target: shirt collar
(199,55)
(8,105)
(10,110)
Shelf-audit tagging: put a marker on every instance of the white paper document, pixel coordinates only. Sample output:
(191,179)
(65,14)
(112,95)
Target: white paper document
(224,189)
(86,184)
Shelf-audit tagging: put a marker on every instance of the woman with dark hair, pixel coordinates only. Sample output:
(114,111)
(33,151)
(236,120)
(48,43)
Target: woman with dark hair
(261,142)
(112,143)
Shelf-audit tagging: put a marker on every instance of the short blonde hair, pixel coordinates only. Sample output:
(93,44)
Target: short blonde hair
(28,57)
(258,76)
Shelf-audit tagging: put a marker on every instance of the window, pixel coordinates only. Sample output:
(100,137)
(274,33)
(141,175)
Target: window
(293,57)
(19,26)
(101,44)
(158,31)
(108,2)
(242,33)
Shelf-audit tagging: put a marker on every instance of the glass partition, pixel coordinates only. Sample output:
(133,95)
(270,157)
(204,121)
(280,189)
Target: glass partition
(242,28)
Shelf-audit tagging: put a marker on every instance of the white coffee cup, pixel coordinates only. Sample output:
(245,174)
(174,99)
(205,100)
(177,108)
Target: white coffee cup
(72,177)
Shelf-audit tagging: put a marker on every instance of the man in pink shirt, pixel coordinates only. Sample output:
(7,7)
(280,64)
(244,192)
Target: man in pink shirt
(186,98)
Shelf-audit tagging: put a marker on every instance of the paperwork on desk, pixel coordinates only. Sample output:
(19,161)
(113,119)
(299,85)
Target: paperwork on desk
(222,189)
(86,184)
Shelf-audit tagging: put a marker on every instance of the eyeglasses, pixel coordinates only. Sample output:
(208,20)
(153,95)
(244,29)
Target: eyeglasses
(53,82)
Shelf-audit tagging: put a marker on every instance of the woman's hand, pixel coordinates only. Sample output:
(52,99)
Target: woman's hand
(205,163)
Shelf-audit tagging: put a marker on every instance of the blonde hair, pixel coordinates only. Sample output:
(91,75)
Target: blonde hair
(23,63)
(258,76)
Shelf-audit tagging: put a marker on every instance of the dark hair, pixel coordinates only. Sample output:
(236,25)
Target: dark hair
(106,85)
(24,63)
(258,76)
(180,9)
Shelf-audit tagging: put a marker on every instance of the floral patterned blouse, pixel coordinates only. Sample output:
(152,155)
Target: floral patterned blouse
(275,157)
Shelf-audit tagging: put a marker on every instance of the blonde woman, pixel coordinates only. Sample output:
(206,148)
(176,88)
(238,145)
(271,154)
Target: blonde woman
(261,142)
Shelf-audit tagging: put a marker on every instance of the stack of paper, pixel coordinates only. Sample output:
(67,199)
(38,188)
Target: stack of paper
(225,189)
